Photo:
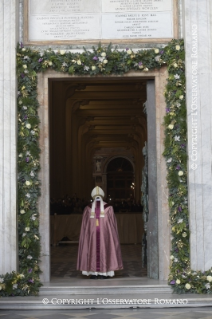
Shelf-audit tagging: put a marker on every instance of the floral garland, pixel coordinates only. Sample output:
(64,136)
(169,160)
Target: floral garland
(103,61)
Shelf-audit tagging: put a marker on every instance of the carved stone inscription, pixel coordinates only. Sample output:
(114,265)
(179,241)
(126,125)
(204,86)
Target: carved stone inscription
(57,20)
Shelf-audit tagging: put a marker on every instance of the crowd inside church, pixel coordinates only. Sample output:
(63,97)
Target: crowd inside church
(75,205)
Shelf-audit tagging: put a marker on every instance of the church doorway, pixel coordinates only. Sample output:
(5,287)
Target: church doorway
(74,157)
(97,132)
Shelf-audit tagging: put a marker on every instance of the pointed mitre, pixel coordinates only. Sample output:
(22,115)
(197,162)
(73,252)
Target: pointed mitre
(97,192)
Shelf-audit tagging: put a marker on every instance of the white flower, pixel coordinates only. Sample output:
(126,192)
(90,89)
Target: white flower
(27,229)
(93,67)
(28,126)
(177,138)
(209,278)
(140,66)
(171,257)
(64,64)
(180,221)
(22,211)
(172,203)
(24,66)
(180,173)
(33,217)
(28,153)
(169,160)
(20,102)
(0,287)
(178,281)
(21,275)
(177,47)
(101,59)
(36,237)
(62,52)
(171,126)
(184,234)
(20,155)
(32,174)
(74,61)
(176,76)
(32,132)
(28,183)
(183,276)
(79,62)
(24,107)
(156,51)
(181,97)
(146,69)
(178,104)
(24,234)
(207,286)
(26,57)
(29,257)
(157,58)
(105,61)
(28,195)
(1,280)
(26,71)
(86,68)
(129,51)
(103,54)
(188,286)
(15,286)
(23,49)
(176,260)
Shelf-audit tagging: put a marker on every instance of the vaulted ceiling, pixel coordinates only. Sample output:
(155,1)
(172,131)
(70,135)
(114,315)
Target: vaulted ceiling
(87,116)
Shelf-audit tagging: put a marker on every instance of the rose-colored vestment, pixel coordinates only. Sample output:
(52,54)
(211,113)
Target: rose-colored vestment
(99,248)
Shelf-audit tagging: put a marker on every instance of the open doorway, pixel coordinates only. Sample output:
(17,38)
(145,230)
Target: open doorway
(97,132)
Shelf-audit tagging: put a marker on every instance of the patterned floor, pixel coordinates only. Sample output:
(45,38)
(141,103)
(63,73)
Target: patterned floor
(175,313)
(64,257)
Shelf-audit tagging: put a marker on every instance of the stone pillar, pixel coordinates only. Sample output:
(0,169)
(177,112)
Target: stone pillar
(198,45)
(8,135)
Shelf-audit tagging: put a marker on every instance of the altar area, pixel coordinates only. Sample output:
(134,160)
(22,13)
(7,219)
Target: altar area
(130,227)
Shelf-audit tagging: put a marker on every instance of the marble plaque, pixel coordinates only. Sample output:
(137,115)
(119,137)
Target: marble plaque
(68,20)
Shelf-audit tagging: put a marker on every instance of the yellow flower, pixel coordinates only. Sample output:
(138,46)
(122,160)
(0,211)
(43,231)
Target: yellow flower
(209,278)
(103,54)
(62,52)
(178,281)
(188,286)
(27,229)
(129,51)
(79,62)
(22,211)
(171,126)
(28,183)
(93,67)
(177,47)
(175,65)
(184,234)
(50,63)
(24,66)
(156,51)
(180,173)
(146,69)
(105,61)
(181,97)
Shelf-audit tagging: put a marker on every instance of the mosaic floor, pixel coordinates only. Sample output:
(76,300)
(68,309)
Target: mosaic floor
(64,257)
(175,313)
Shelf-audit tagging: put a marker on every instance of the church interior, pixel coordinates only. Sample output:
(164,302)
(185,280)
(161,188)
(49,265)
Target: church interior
(98,129)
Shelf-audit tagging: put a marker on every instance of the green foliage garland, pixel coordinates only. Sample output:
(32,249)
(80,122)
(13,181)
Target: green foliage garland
(101,61)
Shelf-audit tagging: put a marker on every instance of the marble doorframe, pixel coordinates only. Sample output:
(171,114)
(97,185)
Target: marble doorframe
(163,236)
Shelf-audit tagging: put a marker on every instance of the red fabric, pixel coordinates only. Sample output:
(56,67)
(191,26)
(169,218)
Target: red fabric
(109,251)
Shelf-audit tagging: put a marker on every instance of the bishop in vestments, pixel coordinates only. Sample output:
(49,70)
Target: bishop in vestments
(99,252)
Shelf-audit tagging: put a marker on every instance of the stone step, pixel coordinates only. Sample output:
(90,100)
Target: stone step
(109,301)
(113,290)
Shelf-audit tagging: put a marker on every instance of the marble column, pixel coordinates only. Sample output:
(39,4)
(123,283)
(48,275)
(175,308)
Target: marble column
(198,45)
(8,135)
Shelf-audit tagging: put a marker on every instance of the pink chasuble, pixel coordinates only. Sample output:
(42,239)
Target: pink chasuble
(99,248)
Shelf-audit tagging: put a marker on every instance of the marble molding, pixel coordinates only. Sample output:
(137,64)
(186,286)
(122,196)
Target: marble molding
(162,238)
(8,136)
(198,46)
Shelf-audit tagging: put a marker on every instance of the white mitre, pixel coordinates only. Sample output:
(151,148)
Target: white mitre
(97,194)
